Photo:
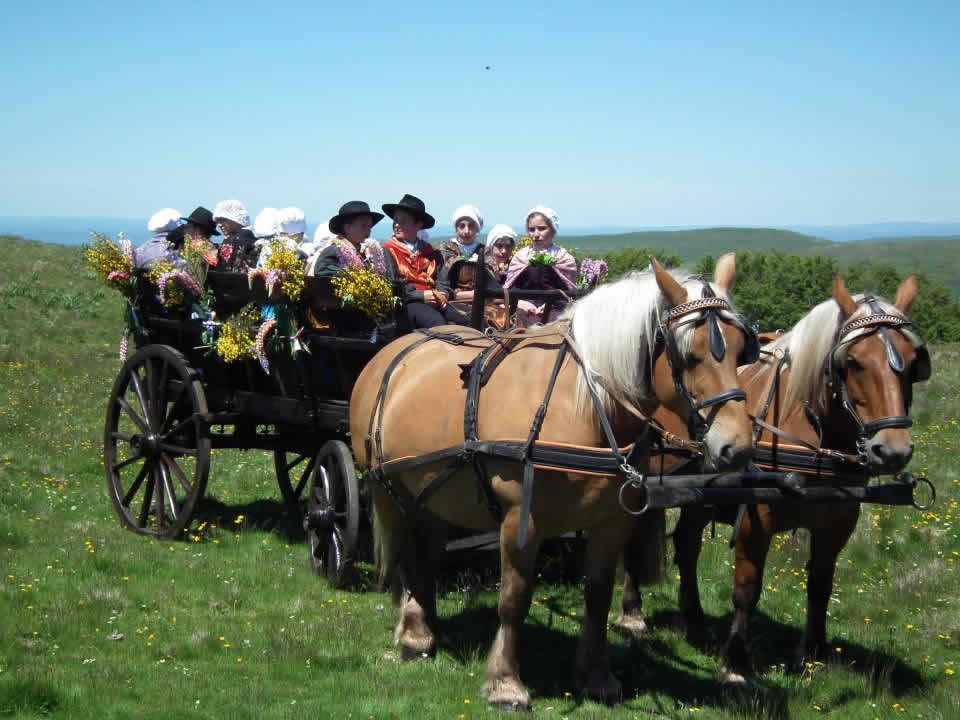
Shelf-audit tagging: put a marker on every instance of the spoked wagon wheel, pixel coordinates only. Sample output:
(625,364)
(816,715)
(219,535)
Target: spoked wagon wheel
(293,473)
(332,520)
(156,448)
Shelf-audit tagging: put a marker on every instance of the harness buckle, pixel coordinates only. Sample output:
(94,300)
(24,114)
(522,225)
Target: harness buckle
(635,481)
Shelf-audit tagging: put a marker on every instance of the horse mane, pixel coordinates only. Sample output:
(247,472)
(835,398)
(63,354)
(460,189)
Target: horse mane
(616,328)
(809,343)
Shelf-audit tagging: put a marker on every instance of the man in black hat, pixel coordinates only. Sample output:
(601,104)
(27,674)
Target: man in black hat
(352,226)
(199,224)
(416,263)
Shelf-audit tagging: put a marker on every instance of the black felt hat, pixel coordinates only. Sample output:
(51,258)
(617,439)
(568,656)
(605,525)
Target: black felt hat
(201,217)
(349,211)
(414,206)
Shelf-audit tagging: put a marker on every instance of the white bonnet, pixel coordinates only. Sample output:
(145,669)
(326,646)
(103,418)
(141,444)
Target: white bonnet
(291,221)
(266,223)
(322,233)
(549,213)
(468,211)
(232,210)
(500,231)
(163,221)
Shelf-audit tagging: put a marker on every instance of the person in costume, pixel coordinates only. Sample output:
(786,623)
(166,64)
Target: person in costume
(541,266)
(238,251)
(199,225)
(289,227)
(468,223)
(160,224)
(414,262)
(350,227)
(501,240)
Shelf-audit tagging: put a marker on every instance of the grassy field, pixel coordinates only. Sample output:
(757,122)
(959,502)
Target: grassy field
(99,622)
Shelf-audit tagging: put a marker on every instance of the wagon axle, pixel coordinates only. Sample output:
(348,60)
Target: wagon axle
(320,518)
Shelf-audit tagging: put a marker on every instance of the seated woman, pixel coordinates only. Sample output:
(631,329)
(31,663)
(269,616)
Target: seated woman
(160,225)
(351,226)
(468,223)
(500,243)
(541,266)
(416,264)
(238,251)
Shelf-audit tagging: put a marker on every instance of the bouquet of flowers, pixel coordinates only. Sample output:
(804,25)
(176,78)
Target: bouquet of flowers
(592,273)
(366,291)
(238,335)
(283,271)
(111,261)
(373,252)
(542,258)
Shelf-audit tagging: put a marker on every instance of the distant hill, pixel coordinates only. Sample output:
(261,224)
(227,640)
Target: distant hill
(937,257)
(694,244)
(890,230)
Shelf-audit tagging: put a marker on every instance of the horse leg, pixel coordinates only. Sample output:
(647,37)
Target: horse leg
(415,632)
(825,546)
(502,686)
(593,657)
(687,543)
(642,564)
(751,555)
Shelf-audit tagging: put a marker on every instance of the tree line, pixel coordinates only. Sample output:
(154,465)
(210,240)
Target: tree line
(775,289)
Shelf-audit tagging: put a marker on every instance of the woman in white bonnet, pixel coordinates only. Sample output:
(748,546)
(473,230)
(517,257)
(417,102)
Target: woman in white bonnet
(468,222)
(160,224)
(238,252)
(553,268)
(288,224)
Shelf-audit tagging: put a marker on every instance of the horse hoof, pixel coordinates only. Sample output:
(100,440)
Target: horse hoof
(411,655)
(633,625)
(506,695)
(608,690)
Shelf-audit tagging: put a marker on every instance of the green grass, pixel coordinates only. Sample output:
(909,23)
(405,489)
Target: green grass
(99,622)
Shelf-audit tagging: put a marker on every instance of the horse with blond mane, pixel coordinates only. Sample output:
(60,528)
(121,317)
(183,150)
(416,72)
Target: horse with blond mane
(841,379)
(409,402)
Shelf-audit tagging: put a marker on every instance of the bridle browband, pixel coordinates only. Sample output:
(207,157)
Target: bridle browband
(710,305)
(877,322)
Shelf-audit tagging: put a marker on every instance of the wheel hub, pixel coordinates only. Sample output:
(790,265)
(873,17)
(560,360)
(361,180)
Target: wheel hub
(148,445)
(319,518)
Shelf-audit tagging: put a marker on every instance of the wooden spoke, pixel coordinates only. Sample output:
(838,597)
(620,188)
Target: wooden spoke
(138,390)
(147,501)
(135,486)
(181,476)
(129,461)
(160,505)
(173,404)
(121,436)
(177,449)
(168,493)
(137,420)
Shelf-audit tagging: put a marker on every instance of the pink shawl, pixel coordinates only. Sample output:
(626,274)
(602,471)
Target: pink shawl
(566,267)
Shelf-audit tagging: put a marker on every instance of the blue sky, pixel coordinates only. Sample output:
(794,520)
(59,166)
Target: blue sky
(633,114)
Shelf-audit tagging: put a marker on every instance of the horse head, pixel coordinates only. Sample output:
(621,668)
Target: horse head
(700,343)
(875,359)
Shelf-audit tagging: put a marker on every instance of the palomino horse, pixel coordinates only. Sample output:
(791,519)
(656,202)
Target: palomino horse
(852,362)
(420,410)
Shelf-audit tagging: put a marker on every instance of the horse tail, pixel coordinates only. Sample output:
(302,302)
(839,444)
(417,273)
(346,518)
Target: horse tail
(389,539)
(646,549)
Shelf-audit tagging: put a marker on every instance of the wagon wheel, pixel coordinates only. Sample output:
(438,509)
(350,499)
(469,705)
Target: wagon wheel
(156,447)
(290,467)
(332,520)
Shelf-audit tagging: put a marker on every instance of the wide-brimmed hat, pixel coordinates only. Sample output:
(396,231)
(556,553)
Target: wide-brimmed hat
(348,212)
(412,205)
(201,217)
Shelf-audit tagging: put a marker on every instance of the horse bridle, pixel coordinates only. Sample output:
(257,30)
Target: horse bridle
(876,322)
(709,305)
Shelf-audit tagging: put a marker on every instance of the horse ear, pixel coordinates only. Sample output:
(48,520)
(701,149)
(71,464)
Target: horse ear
(725,272)
(843,297)
(673,290)
(906,294)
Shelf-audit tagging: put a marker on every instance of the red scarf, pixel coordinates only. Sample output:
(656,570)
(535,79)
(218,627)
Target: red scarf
(418,268)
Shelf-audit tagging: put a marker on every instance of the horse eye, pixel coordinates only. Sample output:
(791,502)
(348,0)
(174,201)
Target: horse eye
(853,365)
